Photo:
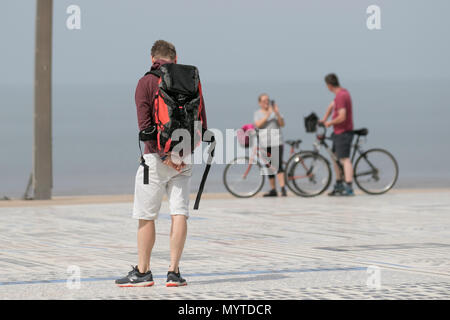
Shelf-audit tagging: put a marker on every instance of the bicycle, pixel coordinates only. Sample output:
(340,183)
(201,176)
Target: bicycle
(375,170)
(244,176)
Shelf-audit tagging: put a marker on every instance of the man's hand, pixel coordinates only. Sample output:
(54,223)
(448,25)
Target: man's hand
(177,165)
(327,124)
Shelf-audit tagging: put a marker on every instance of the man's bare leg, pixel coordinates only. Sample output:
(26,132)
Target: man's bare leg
(339,185)
(146,240)
(178,232)
(337,171)
(348,169)
(280,177)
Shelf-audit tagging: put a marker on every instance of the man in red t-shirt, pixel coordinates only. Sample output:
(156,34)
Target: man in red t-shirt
(342,122)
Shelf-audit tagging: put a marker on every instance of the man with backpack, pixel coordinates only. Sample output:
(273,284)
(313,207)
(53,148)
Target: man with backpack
(342,123)
(168,97)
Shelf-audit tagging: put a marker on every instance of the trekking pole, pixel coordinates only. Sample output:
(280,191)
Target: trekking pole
(212,146)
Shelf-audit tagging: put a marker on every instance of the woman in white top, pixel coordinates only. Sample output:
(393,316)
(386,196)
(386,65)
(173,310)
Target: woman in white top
(269,120)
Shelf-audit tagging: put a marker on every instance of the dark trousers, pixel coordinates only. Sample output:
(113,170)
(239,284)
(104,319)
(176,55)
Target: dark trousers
(276,163)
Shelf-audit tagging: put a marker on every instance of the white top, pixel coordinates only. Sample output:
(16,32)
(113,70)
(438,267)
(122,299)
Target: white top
(270,133)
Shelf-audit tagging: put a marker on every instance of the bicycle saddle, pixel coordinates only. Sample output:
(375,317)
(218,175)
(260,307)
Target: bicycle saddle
(294,142)
(361,132)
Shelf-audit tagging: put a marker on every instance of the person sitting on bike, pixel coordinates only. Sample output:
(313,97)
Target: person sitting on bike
(342,122)
(269,120)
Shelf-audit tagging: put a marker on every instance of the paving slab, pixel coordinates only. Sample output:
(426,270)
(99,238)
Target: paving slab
(394,246)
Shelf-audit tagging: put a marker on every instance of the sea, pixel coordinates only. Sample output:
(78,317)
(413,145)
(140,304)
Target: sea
(95,145)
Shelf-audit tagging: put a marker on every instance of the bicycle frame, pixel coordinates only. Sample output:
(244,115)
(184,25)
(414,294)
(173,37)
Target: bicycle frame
(356,150)
(260,154)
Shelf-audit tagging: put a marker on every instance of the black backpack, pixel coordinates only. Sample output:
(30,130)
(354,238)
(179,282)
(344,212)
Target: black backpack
(177,105)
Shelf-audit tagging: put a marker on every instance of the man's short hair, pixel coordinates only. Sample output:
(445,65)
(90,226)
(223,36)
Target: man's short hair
(332,80)
(163,50)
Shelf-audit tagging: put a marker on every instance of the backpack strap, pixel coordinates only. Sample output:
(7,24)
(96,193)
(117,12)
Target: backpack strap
(143,164)
(155,72)
(212,146)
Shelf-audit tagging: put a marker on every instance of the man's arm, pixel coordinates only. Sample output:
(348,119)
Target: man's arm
(340,107)
(143,106)
(342,115)
(328,112)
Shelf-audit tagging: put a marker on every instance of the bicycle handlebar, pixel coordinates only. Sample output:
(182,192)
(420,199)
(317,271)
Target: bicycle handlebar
(324,134)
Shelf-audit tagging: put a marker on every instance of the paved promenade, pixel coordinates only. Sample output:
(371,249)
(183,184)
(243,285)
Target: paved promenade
(395,246)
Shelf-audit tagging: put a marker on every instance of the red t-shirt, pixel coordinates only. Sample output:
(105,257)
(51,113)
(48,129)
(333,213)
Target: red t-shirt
(343,100)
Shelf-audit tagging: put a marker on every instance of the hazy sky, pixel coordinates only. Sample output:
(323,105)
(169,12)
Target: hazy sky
(234,39)
(397,77)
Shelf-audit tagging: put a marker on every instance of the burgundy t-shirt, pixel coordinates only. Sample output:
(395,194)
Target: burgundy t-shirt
(343,100)
(145,92)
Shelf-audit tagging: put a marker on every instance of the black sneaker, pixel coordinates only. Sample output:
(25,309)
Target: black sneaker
(283,192)
(338,189)
(175,279)
(136,279)
(271,193)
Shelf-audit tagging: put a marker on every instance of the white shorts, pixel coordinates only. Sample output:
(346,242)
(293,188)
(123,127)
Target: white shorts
(162,180)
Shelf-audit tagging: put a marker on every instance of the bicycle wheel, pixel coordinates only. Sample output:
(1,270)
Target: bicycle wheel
(308,174)
(242,178)
(376,171)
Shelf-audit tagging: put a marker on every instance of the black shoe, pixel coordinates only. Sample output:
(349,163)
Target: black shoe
(283,192)
(136,279)
(175,279)
(271,193)
(337,190)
